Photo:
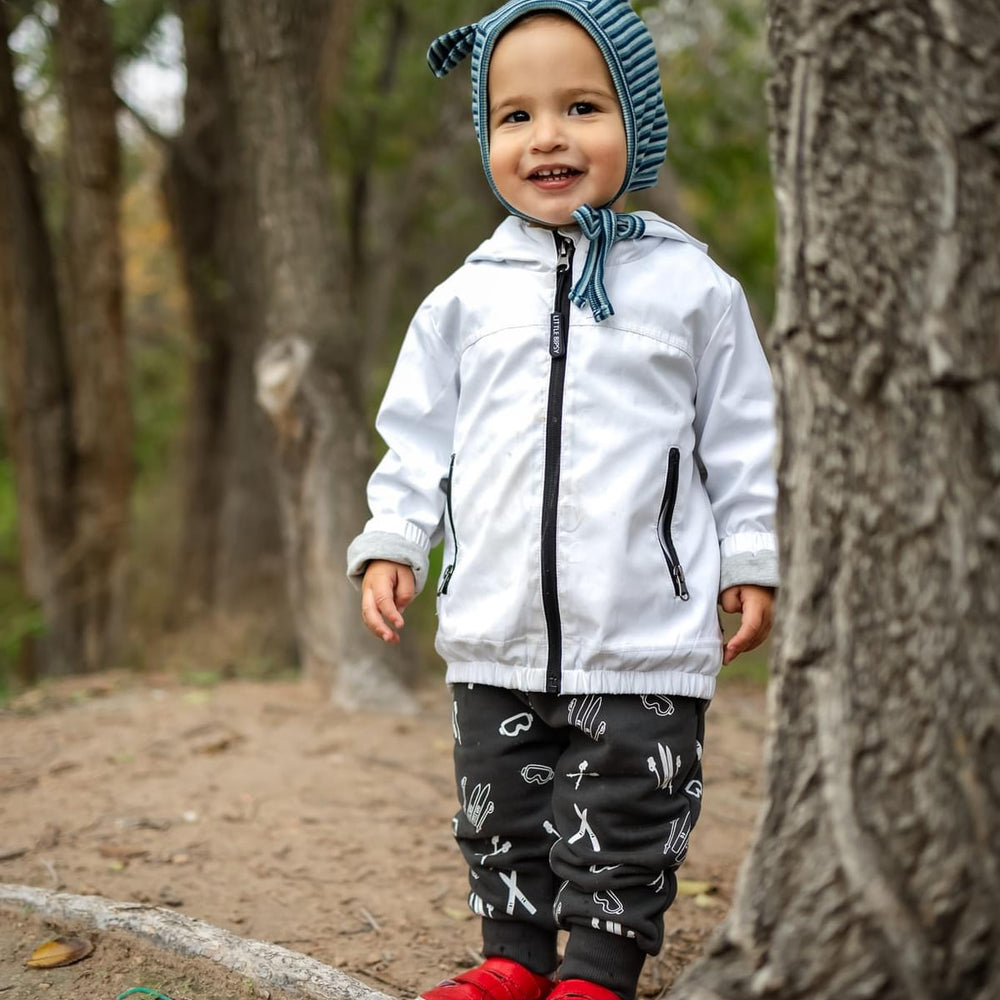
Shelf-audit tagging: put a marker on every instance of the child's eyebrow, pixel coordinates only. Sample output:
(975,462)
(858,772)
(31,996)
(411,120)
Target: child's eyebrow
(589,92)
(507,102)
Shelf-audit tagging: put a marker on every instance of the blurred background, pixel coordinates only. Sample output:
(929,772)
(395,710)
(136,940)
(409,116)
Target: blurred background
(131,303)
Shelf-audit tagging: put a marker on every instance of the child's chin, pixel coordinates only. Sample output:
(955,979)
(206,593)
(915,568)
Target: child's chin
(553,220)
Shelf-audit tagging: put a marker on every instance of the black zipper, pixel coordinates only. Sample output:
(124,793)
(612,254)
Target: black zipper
(664,522)
(558,339)
(450,568)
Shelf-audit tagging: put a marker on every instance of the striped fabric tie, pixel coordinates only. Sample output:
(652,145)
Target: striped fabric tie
(603,227)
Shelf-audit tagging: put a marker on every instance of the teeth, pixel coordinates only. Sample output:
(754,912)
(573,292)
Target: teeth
(558,172)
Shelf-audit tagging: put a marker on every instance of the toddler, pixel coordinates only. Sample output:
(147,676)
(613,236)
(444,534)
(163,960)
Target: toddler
(584,413)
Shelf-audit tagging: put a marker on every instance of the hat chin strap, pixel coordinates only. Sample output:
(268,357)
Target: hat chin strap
(603,227)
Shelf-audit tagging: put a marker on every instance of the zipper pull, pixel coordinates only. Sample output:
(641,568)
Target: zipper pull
(557,322)
(680,584)
(446,579)
(564,244)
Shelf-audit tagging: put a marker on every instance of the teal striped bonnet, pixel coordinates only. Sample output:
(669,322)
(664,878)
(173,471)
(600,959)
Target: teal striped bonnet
(630,55)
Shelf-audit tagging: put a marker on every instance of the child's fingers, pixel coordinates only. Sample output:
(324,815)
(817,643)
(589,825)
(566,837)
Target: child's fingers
(376,607)
(405,589)
(730,600)
(752,632)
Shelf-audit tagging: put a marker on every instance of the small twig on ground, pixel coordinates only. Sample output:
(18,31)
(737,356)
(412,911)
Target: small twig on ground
(53,874)
(370,920)
(386,982)
(476,956)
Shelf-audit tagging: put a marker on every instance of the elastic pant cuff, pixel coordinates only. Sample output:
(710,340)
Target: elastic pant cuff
(606,959)
(534,947)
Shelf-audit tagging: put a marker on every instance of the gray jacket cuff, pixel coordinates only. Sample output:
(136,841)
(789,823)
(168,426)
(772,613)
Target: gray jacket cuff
(385,545)
(758,568)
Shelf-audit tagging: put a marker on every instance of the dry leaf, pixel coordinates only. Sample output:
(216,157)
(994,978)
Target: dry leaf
(690,887)
(122,852)
(218,742)
(141,823)
(59,951)
(458,914)
(61,766)
(705,901)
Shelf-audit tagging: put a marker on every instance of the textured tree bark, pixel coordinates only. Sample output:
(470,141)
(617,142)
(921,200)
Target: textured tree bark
(266,965)
(37,394)
(94,331)
(230,544)
(876,868)
(309,375)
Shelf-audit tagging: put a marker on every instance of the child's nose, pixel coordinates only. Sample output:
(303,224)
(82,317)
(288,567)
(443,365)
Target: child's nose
(547,134)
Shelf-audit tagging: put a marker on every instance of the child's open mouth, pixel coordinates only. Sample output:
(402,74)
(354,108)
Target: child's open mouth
(554,178)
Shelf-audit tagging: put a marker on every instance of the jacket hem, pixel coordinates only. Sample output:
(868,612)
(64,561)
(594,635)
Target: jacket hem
(667,680)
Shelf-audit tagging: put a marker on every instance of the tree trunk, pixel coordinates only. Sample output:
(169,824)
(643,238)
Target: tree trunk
(94,329)
(309,376)
(876,869)
(37,395)
(230,545)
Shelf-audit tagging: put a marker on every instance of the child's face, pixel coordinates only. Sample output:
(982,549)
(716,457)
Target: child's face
(557,139)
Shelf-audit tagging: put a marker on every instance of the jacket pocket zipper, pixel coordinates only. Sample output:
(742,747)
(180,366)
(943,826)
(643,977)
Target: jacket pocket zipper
(450,568)
(664,522)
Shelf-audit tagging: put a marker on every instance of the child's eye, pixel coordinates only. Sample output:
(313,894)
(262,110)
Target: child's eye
(516,116)
(582,108)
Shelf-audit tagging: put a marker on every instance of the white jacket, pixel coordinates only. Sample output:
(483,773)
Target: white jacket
(587,538)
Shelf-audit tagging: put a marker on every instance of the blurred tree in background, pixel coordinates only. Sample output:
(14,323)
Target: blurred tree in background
(406,203)
(68,419)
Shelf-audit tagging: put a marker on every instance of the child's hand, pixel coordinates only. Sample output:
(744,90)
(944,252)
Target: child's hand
(756,604)
(386,590)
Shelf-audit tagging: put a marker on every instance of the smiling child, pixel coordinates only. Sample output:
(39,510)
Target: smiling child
(583,413)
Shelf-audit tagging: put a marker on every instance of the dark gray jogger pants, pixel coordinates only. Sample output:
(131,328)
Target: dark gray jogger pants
(576,812)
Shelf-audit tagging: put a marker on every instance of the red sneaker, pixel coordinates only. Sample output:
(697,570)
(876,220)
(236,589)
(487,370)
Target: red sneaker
(495,979)
(581,989)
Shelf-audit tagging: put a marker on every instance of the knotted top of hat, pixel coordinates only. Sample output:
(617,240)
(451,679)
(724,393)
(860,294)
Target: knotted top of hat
(631,58)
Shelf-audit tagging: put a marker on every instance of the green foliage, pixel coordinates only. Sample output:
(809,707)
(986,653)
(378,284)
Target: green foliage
(748,668)
(714,67)
(408,138)
(21,618)
(159,386)
(134,26)
(155,318)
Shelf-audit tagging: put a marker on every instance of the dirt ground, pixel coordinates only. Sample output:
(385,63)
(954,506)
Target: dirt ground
(118,962)
(256,808)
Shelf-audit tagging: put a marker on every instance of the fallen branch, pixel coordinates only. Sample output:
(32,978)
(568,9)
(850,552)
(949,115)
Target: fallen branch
(267,965)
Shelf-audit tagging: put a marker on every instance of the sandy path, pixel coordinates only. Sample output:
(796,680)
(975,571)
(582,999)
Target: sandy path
(254,808)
